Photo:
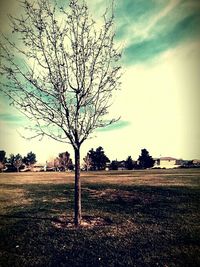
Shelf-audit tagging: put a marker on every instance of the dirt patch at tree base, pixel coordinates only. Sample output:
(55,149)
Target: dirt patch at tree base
(86,222)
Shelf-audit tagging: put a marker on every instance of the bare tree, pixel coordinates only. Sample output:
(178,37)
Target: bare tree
(60,70)
(87,162)
(15,161)
(18,162)
(64,161)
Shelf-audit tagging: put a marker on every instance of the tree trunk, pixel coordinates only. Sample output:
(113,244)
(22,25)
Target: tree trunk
(77,196)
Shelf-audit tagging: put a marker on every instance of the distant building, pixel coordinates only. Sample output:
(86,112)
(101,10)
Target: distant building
(38,168)
(167,162)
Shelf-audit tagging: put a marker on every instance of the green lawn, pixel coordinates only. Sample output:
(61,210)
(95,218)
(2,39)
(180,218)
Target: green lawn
(153,219)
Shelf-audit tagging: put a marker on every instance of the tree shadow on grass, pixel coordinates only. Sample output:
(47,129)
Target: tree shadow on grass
(141,204)
(152,226)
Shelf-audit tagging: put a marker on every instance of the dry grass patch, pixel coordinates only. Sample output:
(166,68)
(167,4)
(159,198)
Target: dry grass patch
(121,196)
(36,178)
(58,200)
(177,177)
(12,198)
(141,179)
(89,222)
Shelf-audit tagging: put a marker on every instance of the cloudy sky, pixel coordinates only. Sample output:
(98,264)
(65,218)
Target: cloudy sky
(159,97)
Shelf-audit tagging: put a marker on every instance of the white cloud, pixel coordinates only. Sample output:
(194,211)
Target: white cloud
(145,31)
(159,99)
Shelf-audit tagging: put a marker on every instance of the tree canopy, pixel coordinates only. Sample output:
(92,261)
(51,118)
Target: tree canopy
(2,159)
(145,160)
(63,162)
(2,156)
(60,69)
(15,161)
(97,159)
(30,159)
(129,164)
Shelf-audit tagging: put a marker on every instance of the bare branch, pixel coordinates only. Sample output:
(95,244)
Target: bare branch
(60,70)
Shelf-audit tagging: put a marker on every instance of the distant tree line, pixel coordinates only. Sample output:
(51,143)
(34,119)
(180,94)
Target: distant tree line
(16,162)
(95,160)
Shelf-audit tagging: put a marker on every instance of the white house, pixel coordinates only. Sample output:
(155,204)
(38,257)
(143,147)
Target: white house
(166,162)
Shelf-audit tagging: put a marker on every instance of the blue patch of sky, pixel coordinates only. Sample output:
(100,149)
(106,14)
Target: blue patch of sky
(115,126)
(62,2)
(134,12)
(170,31)
(12,118)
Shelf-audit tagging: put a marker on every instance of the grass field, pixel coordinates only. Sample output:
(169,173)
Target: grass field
(153,219)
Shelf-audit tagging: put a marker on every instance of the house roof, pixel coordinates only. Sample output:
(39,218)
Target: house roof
(167,158)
